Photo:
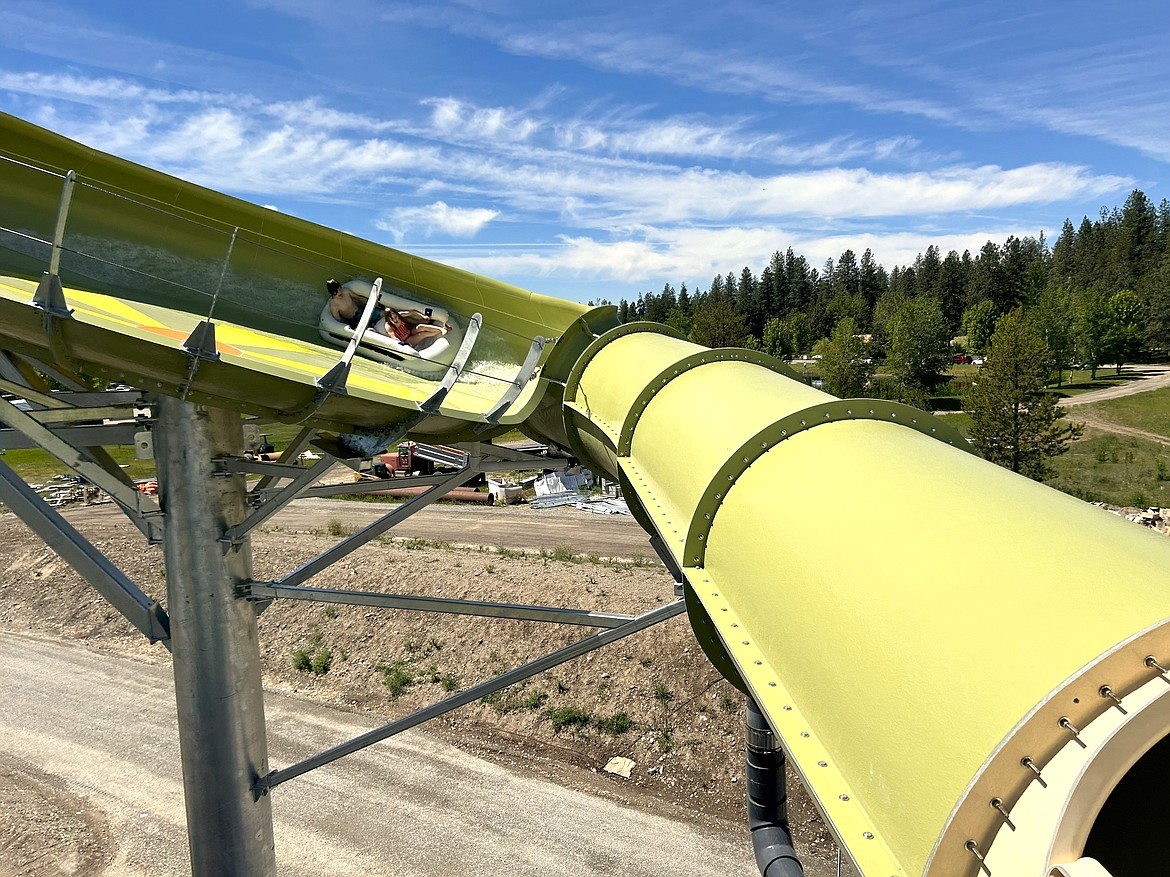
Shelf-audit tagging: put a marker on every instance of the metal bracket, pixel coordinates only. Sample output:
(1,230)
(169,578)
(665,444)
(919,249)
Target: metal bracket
(200,344)
(128,498)
(523,376)
(50,298)
(455,369)
(669,562)
(234,535)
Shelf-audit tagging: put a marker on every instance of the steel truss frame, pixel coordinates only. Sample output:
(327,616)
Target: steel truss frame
(53,425)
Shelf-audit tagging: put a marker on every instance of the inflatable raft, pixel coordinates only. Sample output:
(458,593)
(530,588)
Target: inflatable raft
(431,361)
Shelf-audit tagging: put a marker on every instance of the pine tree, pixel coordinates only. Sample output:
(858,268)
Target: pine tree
(716,323)
(951,289)
(1015,423)
(798,282)
(988,279)
(926,269)
(1056,322)
(847,277)
(1062,252)
(874,280)
(1155,292)
(1136,242)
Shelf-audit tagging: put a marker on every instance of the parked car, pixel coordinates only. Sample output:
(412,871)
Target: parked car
(962,359)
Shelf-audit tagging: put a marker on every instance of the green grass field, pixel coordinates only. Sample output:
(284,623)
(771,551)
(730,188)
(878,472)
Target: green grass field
(1116,469)
(36,466)
(1146,411)
(1082,381)
(1120,469)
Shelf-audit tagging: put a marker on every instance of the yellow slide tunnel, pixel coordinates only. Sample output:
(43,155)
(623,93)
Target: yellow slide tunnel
(965,666)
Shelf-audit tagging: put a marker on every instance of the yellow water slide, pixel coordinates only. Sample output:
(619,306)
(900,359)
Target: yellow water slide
(145,260)
(967,668)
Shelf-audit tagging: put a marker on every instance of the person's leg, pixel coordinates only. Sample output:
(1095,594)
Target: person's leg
(424,332)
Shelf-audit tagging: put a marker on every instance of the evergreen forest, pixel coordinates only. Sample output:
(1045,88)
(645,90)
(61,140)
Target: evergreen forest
(1098,295)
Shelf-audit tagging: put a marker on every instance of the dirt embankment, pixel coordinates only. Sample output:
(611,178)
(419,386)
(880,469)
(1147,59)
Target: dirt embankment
(652,698)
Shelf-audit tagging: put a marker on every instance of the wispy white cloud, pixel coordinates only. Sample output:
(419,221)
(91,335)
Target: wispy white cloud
(640,195)
(106,90)
(306,149)
(457,118)
(615,44)
(438,217)
(995,69)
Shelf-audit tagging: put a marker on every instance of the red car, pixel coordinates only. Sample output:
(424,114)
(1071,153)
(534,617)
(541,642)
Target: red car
(962,359)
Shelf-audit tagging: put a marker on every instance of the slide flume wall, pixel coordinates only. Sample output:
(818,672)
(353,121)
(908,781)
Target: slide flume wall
(145,257)
(962,663)
(966,667)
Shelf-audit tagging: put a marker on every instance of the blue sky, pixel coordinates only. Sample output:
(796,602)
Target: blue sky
(593,150)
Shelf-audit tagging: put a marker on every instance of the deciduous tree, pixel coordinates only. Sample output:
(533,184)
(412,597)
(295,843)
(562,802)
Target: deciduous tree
(1126,336)
(845,363)
(920,349)
(978,324)
(1092,328)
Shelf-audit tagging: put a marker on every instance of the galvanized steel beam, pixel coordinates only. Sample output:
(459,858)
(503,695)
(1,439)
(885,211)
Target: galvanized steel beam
(447,605)
(141,610)
(216,651)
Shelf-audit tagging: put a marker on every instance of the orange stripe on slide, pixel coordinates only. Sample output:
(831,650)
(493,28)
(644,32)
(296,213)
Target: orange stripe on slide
(180,336)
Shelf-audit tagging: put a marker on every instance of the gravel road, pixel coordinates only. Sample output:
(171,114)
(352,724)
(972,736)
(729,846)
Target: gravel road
(517,527)
(412,805)
(1147,377)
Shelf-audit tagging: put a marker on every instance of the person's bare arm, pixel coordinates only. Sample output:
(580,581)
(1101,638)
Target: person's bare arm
(414,318)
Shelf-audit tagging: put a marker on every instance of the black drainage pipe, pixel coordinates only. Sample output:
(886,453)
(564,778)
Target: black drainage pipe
(768,799)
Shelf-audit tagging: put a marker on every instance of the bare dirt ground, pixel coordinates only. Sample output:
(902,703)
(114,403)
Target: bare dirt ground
(652,698)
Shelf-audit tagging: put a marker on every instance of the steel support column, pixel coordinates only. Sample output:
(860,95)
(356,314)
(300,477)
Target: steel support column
(215,645)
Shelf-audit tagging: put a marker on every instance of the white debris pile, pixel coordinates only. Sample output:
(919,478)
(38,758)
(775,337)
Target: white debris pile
(1153,517)
(570,481)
